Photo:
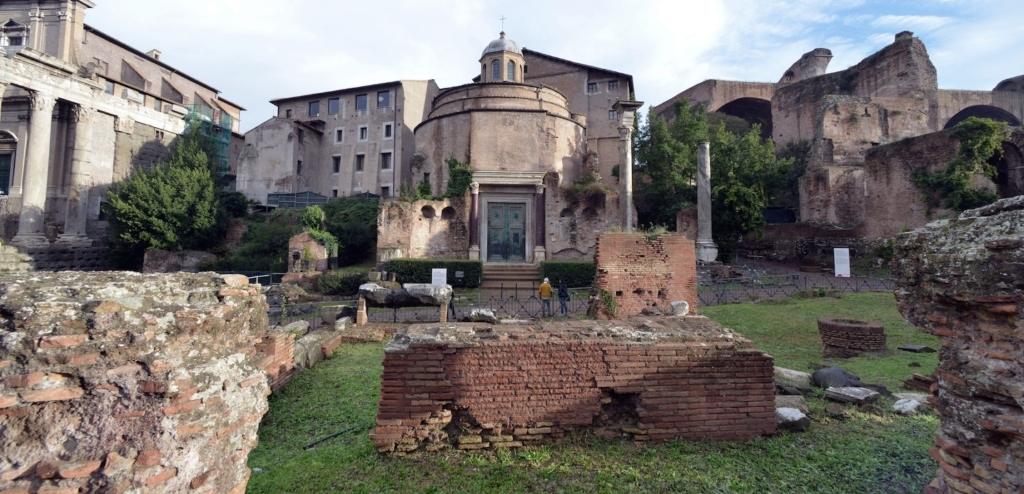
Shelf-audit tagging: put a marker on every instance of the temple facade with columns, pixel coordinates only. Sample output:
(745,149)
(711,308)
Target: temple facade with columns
(79,110)
(543,138)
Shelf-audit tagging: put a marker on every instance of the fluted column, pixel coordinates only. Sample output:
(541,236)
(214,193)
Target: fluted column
(78,191)
(474,220)
(37,170)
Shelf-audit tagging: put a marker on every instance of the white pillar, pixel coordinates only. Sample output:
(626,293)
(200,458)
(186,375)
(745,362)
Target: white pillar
(78,191)
(627,115)
(707,250)
(37,170)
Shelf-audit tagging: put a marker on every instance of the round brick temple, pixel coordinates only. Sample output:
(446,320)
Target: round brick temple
(843,338)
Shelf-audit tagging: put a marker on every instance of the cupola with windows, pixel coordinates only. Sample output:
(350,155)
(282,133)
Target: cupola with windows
(502,61)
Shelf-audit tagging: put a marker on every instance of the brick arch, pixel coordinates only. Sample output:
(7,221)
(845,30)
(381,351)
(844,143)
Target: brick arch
(1010,171)
(753,110)
(983,111)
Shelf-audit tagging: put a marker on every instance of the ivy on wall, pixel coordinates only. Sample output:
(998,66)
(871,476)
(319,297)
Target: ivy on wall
(980,140)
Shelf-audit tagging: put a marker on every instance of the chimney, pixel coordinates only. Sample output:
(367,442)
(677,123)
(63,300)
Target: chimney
(154,54)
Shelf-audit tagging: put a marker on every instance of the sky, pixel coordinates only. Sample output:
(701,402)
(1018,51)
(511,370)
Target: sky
(257,50)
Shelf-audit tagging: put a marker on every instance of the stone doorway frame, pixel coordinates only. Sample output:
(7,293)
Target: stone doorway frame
(526,198)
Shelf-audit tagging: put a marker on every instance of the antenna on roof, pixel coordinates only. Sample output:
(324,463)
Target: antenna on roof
(502,22)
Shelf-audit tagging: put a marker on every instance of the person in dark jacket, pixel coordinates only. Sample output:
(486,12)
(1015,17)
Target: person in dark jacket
(563,296)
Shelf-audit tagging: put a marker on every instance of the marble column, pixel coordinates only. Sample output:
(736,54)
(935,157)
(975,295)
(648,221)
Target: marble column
(3,87)
(707,250)
(627,115)
(539,251)
(37,169)
(474,220)
(78,191)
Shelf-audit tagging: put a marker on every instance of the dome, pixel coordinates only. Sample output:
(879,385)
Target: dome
(502,44)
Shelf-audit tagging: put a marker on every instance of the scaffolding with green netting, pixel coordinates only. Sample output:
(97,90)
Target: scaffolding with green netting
(215,126)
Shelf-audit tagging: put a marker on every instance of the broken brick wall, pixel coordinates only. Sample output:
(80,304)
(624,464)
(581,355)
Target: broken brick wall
(125,382)
(513,387)
(963,280)
(641,272)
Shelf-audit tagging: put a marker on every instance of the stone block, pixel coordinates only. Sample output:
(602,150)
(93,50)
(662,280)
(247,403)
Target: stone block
(857,396)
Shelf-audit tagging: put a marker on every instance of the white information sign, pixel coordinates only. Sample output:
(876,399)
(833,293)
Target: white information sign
(842,263)
(439,276)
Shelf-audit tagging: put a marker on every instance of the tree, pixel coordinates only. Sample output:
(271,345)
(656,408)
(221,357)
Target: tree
(744,173)
(353,221)
(172,206)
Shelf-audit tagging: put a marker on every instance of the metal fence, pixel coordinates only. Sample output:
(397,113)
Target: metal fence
(736,290)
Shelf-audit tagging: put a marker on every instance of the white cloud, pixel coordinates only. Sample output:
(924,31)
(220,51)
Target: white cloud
(910,22)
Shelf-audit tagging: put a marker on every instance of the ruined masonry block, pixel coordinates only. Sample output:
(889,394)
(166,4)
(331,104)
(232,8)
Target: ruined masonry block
(963,280)
(118,382)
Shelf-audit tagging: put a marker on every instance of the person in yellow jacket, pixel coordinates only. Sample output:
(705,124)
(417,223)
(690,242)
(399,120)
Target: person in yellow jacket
(545,299)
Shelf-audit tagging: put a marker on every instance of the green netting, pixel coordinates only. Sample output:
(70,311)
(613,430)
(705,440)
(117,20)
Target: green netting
(214,125)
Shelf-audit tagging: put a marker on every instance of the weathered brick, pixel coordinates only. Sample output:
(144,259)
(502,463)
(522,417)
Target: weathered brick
(79,469)
(164,475)
(54,394)
(148,458)
(63,341)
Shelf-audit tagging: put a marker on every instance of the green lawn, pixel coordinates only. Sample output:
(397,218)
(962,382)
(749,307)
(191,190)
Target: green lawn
(861,454)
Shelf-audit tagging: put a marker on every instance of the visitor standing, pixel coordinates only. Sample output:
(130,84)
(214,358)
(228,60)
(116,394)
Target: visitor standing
(545,299)
(563,296)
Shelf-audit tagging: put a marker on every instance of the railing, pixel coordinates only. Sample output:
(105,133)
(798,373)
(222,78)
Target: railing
(751,289)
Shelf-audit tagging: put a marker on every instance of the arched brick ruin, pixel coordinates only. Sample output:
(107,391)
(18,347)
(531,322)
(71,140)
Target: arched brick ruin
(963,280)
(124,382)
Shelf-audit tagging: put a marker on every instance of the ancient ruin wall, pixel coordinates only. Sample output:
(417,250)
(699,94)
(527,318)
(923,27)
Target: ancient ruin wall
(500,387)
(423,229)
(641,272)
(963,280)
(124,382)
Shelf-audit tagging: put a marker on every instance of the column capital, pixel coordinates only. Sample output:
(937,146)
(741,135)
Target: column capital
(624,133)
(82,114)
(474,188)
(40,101)
(539,188)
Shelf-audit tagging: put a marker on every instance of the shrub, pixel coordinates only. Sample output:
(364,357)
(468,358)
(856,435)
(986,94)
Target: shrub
(575,273)
(342,282)
(460,176)
(418,270)
(353,222)
(265,246)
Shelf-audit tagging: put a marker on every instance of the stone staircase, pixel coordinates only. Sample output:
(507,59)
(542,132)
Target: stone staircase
(510,278)
(11,260)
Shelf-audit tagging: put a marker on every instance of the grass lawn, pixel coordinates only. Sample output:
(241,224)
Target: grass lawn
(862,454)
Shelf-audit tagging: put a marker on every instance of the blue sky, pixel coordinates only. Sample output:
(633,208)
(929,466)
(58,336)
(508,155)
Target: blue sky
(258,50)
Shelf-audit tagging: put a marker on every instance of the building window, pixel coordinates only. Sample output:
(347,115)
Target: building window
(591,87)
(510,71)
(385,191)
(157,105)
(383,99)
(337,164)
(314,108)
(613,115)
(385,161)
(332,106)
(495,70)
(613,85)
(359,162)
(360,102)
(388,130)
(287,114)
(109,87)
(339,135)
(334,192)
(364,133)
(298,169)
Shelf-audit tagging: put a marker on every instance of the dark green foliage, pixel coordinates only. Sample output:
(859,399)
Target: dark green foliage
(264,246)
(576,274)
(341,282)
(799,152)
(353,222)
(980,140)
(173,206)
(886,251)
(312,219)
(234,203)
(585,190)
(460,176)
(418,270)
(745,173)
(424,189)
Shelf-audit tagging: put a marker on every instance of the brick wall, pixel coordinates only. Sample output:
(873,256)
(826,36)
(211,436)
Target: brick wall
(276,356)
(844,338)
(489,388)
(963,280)
(641,272)
(124,382)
